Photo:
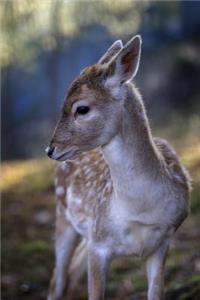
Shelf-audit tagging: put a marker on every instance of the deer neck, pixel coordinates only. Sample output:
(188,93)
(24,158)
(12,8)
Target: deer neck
(131,154)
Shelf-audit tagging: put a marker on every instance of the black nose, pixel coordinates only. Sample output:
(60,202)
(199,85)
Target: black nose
(49,151)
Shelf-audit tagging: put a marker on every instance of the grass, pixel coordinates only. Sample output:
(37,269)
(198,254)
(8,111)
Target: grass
(30,176)
(27,237)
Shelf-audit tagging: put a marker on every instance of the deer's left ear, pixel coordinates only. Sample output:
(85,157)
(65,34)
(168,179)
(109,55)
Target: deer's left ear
(125,65)
(111,52)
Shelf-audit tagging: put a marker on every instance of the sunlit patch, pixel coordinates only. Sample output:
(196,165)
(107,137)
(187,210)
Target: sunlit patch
(13,173)
(191,154)
(60,191)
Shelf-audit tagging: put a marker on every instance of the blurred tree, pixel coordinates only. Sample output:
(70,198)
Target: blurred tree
(29,26)
(54,57)
(22,27)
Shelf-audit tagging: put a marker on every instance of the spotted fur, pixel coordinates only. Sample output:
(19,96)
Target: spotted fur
(119,190)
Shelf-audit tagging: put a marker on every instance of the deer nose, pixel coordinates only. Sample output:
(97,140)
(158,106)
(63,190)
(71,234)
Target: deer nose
(49,151)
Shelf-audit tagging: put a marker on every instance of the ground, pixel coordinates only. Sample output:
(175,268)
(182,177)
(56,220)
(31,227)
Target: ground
(28,215)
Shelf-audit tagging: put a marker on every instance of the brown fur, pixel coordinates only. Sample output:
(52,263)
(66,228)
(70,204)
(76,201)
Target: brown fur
(125,192)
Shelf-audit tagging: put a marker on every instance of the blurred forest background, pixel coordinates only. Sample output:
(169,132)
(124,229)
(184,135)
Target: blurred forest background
(44,45)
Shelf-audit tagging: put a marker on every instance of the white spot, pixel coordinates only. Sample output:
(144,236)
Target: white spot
(42,217)
(108,186)
(88,184)
(87,171)
(77,172)
(60,191)
(85,167)
(86,159)
(64,166)
(113,83)
(72,198)
(77,200)
(99,189)
(101,177)
(101,250)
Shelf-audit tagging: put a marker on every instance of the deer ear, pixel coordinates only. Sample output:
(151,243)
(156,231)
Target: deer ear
(124,65)
(111,52)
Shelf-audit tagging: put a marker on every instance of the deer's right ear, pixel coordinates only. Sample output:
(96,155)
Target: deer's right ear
(111,52)
(124,66)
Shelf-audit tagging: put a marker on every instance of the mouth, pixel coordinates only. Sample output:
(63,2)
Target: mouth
(67,155)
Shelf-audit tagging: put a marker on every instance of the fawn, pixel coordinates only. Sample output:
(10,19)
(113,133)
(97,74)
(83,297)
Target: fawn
(120,191)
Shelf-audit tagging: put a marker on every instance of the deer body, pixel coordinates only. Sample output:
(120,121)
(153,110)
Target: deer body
(125,192)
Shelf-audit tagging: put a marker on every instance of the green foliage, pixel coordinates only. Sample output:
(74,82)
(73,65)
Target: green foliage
(33,247)
(186,290)
(28,176)
(195,201)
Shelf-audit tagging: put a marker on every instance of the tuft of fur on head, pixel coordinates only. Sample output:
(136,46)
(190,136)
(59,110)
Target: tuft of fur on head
(117,66)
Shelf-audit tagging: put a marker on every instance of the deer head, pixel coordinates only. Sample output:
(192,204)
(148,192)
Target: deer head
(93,106)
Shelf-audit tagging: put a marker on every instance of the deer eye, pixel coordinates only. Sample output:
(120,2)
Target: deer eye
(82,110)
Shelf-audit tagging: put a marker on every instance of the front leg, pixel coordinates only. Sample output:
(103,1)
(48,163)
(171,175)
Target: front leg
(98,261)
(66,241)
(155,272)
